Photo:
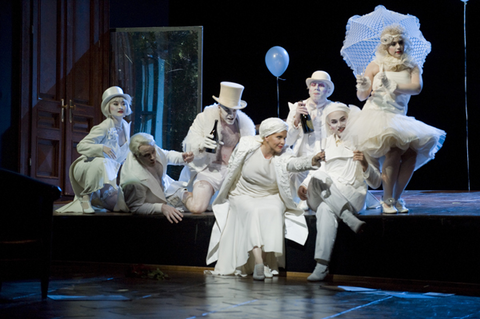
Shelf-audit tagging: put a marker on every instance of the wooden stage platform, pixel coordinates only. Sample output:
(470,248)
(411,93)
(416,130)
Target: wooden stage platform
(439,240)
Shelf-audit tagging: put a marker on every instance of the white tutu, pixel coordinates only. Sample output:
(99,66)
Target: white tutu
(382,124)
(378,131)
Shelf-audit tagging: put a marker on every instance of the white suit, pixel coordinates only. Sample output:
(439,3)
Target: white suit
(305,144)
(142,191)
(94,168)
(342,185)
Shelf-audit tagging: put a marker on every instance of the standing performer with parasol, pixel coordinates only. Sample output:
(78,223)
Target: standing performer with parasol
(400,143)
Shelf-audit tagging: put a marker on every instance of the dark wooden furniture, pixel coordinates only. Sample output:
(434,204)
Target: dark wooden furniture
(26,209)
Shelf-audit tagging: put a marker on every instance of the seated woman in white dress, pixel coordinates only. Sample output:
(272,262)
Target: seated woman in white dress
(400,143)
(254,207)
(94,174)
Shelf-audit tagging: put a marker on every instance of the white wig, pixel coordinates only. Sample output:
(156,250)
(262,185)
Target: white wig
(138,140)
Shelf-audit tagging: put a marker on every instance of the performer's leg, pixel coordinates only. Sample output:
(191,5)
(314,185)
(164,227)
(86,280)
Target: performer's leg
(321,189)
(326,234)
(258,271)
(390,170)
(197,201)
(405,172)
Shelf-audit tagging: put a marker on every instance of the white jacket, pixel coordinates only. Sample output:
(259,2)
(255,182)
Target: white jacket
(295,137)
(347,174)
(149,197)
(201,127)
(92,146)
(295,225)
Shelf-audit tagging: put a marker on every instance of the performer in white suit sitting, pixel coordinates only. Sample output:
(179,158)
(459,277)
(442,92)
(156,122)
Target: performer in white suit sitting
(207,171)
(338,191)
(254,209)
(144,177)
(94,174)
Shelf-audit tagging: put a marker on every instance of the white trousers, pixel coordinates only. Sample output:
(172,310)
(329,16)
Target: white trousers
(328,202)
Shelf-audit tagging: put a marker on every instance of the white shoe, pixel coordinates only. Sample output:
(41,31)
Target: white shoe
(386,209)
(258,272)
(86,207)
(388,206)
(400,206)
(267,272)
(319,273)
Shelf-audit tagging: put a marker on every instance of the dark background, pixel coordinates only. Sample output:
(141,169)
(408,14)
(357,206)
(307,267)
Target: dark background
(237,36)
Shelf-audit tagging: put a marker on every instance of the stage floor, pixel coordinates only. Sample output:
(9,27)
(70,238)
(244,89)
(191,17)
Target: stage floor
(435,203)
(420,202)
(103,291)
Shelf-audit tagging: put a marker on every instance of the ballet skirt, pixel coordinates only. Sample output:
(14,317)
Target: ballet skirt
(382,124)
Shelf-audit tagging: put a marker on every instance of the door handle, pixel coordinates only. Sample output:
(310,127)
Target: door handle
(63,110)
(72,107)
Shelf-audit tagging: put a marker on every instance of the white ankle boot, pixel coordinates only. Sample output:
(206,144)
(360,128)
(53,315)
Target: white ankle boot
(319,273)
(352,221)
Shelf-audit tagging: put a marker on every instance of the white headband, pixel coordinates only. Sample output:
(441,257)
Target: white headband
(388,38)
(271,126)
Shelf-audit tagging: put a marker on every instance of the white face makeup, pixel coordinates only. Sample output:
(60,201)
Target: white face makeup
(147,155)
(396,48)
(228,115)
(118,107)
(337,121)
(318,91)
(276,141)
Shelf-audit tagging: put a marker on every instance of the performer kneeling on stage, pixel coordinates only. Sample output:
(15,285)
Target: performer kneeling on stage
(340,190)
(144,178)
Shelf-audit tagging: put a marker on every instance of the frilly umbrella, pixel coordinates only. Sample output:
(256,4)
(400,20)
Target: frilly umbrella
(363,36)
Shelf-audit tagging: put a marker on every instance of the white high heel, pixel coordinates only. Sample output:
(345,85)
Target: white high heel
(400,206)
(388,206)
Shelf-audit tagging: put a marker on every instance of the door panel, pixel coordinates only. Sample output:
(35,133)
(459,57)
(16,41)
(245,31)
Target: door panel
(47,94)
(70,49)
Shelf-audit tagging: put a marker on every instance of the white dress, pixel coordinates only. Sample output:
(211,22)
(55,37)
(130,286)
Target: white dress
(383,124)
(256,217)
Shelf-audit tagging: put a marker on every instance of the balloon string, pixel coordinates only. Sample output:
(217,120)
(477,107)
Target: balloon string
(278,97)
(278,100)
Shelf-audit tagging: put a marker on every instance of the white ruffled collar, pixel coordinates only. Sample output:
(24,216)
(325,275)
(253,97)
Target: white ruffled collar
(391,63)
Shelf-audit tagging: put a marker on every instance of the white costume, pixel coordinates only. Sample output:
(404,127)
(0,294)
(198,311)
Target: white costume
(201,127)
(94,168)
(254,207)
(382,124)
(143,188)
(305,144)
(342,185)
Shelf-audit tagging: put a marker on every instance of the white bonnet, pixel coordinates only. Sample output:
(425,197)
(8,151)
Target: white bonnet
(335,106)
(271,126)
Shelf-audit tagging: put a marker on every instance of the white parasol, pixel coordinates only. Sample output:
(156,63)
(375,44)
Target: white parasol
(363,36)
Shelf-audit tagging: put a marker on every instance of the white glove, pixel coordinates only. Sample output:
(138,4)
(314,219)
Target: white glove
(389,84)
(208,142)
(363,83)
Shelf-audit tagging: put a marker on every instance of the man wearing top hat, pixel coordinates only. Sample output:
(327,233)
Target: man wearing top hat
(320,87)
(206,172)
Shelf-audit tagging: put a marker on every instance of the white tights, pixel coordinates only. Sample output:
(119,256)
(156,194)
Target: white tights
(397,171)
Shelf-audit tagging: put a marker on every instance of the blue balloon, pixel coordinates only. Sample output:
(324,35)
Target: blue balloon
(277,60)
